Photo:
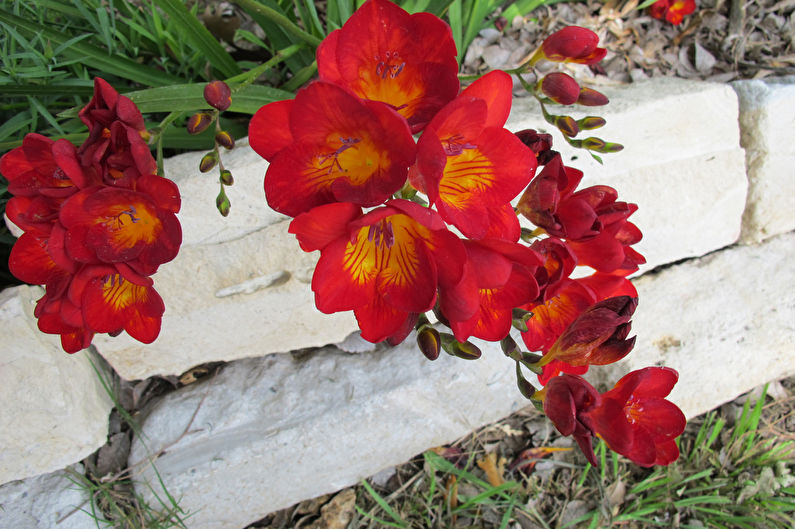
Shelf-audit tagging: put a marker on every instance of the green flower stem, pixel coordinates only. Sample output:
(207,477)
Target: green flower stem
(285,23)
(246,78)
(158,137)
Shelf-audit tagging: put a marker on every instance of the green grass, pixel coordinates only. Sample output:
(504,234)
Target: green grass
(738,476)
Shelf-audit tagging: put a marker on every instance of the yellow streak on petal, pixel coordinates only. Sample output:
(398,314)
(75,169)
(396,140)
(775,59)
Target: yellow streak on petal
(466,175)
(119,293)
(386,251)
(355,159)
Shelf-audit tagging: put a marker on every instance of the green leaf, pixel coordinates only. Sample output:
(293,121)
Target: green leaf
(93,55)
(200,37)
(190,97)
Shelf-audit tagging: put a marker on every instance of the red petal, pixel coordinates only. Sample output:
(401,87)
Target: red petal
(496,89)
(269,130)
(324,224)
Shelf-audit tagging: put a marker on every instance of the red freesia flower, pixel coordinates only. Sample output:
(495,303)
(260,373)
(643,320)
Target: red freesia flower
(111,225)
(571,44)
(116,148)
(469,166)
(567,399)
(501,274)
(673,11)
(384,54)
(328,145)
(384,265)
(635,419)
(593,223)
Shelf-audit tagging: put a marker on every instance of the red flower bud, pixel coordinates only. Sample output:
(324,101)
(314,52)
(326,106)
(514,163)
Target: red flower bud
(560,88)
(573,44)
(199,122)
(591,98)
(218,95)
(539,143)
(567,125)
(597,336)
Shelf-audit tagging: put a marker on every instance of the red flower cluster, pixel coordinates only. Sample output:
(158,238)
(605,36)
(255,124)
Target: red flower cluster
(97,223)
(673,11)
(345,144)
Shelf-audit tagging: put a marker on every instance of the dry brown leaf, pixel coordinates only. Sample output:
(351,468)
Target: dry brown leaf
(493,468)
(337,513)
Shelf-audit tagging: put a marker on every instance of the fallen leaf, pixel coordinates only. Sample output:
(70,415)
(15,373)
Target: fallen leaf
(337,513)
(494,469)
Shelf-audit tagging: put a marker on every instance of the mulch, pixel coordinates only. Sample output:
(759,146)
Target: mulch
(723,40)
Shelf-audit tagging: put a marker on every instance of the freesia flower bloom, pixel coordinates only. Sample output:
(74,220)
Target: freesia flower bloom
(501,272)
(567,399)
(327,145)
(111,225)
(384,265)
(571,44)
(633,418)
(470,166)
(591,220)
(116,150)
(673,11)
(384,54)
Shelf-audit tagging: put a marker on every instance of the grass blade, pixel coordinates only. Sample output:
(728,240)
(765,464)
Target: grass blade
(200,37)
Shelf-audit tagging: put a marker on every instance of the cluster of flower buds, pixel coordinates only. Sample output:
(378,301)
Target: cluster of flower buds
(674,11)
(97,221)
(570,45)
(219,96)
(409,227)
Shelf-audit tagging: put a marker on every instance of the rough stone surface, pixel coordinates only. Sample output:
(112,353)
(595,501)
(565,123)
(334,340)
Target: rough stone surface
(201,223)
(246,297)
(55,411)
(723,321)
(276,430)
(767,119)
(682,162)
(272,431)
(48,501)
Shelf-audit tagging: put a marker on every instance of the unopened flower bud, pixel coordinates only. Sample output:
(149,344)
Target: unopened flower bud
(222,203)
(567,125)
(225,140)
(591,98)
(199,122)
(560,88)
(573,44)
(539,143)
(430,342)
(226,177)
(466,350)
(520,318)
(599,145)
(591,122)
(509,346)
(208,161)
(218,95)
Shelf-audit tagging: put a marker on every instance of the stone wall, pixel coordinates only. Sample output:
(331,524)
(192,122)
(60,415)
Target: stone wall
(273,429)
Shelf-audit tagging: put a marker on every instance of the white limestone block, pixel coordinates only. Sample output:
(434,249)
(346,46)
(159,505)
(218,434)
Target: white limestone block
(682,162)
(201,222)
(276,430)
(723,321)
(767,120)
(273,431)
(242,298)
(47,501)
(55,411)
